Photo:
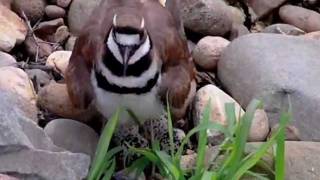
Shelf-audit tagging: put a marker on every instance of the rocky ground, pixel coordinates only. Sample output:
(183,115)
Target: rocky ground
(267,49)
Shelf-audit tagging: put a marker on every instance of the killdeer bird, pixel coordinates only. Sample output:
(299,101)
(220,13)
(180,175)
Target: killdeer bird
(132,55)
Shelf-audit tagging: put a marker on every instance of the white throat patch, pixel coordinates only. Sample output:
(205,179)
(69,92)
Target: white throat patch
(128,39)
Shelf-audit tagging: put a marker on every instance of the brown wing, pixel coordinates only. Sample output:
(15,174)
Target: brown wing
(178,69)
(79,69)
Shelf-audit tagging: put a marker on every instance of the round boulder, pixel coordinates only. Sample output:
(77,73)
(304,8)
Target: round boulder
(300,17)
(33,9)
(207,52)
(207,17)
(79,12)
(276,69)
(73,136)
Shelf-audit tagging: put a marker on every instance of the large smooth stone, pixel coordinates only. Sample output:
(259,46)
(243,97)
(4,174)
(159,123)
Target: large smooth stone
(273,68)
(72,136)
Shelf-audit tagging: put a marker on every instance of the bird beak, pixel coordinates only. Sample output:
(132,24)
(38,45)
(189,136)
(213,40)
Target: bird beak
(126,59)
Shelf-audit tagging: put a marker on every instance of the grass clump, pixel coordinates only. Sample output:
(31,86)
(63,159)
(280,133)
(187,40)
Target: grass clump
(235,163)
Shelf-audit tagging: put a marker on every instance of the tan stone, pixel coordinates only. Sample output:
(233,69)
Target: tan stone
(54,97)
(59,61)
(12,29)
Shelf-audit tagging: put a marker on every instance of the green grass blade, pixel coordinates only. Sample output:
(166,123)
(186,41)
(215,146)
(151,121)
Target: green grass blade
(170,127)
(280,149)
(111,153)
(200,127)
(148,153)
(231,117)
(256,175)
(233,162)
(108,160)
(166,161)
(139,165)
(103,145)
(250,162)
(109,172)
(208,175)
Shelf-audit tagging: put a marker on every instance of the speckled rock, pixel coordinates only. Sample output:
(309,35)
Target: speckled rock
(207,52)
(285,29)
(302,18)
(79,12)
(73,136)
(206,16)
(59,61)
(12,29)
(7,60)
(34,9)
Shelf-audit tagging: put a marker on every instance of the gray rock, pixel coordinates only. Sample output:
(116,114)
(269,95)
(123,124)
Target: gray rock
(271,67)
(300,17)
(62,34)
(62,3)
(70,43)
(53,11)
(237,31)
(26,152)
(16,129)
(79,12)
(34,9)
(44,165)
(41,77)
(285,29)
(302,160)
(72,136)
(206,16)
(262,8)
(7,60)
